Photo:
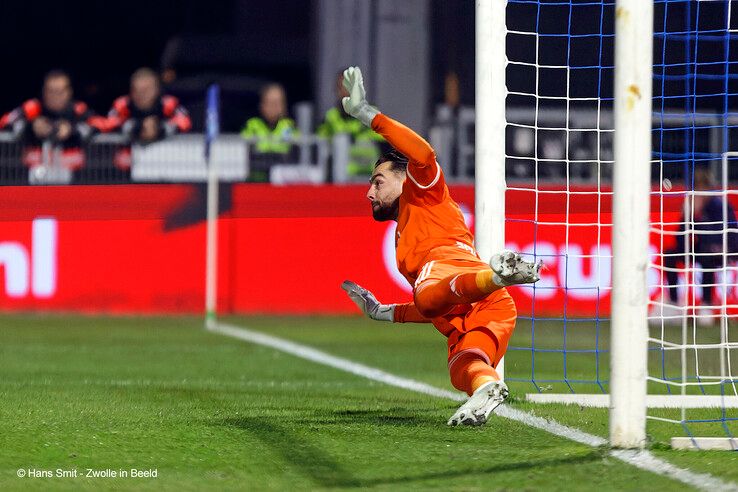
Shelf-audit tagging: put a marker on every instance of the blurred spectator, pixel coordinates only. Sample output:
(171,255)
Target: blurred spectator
(706,244)
(444,132)
(365,149)
(451,92)
(145,115)
(272,130)
(56,119)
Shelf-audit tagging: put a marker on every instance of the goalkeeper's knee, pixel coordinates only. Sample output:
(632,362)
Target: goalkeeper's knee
(429,303)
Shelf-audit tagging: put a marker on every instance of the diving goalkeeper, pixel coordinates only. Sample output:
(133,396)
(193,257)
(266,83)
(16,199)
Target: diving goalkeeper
(462,296)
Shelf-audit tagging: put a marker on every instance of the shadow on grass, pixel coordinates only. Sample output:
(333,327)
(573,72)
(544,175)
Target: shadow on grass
(305,455)
(396,417)
(297,451)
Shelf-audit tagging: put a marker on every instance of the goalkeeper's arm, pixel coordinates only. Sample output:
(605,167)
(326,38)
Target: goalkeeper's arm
(370,306)
(422,169)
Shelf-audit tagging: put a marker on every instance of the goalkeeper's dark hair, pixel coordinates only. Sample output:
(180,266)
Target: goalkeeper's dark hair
(399,161)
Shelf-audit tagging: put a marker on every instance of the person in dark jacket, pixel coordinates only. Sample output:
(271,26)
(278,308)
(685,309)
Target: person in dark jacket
(55,118)
(705,241)
(145,114)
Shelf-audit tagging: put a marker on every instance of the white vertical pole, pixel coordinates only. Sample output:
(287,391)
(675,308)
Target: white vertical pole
(490,93)
(212,129)
(631,203)
(211,247)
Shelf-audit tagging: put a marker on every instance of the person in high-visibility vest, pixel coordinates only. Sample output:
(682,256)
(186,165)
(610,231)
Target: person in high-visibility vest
(272,129)
(365,142)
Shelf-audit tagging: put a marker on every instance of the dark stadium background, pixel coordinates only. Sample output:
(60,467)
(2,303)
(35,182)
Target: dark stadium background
(102,43)
(240,43)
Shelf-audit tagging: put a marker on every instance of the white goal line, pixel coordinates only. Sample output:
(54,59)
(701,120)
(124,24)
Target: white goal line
(652,401)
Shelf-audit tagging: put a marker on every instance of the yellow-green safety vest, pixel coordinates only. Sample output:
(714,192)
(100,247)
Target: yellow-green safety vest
(270,141)
(364,150)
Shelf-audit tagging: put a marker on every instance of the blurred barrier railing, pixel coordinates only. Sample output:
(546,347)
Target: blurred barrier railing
(12,170)
(548,145)
(111,158)
(107,160)
(181,159)
(305,162)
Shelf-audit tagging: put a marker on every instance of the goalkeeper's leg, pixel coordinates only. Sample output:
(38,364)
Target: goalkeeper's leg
(470,370)
(442,285)
(472,373)
(473,355)
(436,297)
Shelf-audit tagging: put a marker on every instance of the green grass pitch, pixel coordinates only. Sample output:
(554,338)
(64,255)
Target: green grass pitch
(213,413)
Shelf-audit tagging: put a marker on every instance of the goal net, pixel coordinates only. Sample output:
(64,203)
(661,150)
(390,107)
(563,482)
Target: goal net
(560,128)
(693,342)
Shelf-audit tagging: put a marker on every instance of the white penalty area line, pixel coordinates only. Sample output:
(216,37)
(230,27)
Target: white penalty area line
(639,458)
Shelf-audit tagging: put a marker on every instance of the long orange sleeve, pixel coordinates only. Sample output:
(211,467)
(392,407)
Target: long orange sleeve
(408,313)
(422,167)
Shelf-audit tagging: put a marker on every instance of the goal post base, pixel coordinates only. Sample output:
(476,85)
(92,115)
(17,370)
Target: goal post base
(705,443)
(652,401)
(211,320)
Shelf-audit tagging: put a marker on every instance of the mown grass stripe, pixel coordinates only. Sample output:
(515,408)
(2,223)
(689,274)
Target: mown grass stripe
(639,458)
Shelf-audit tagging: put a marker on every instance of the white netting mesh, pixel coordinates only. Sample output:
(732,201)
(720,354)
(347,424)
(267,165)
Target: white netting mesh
(694,341)
(559,159)
(559,167)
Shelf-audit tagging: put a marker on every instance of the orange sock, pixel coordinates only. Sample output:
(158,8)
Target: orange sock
(438,298)
(470,372)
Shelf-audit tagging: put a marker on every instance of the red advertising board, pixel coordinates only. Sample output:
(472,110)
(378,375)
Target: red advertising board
(141,248)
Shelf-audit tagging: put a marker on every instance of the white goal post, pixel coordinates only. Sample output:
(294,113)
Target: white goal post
(631,203)
(490,93)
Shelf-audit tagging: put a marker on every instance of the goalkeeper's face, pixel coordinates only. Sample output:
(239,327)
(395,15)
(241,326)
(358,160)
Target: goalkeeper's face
(385,187)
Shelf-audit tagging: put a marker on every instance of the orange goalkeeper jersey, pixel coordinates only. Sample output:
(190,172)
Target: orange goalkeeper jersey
(430,225)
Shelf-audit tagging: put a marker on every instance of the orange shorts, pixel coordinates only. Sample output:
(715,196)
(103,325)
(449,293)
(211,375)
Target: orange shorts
(484,327)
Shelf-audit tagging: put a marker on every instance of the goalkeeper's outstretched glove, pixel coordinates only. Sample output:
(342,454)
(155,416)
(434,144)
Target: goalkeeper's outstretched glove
(368,303)
(355,104)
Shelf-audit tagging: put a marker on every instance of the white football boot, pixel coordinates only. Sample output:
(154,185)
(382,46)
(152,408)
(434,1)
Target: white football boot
(512,269)
(479,406)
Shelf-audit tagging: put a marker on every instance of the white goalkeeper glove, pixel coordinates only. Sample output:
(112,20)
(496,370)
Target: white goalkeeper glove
(355,104)
(368,303)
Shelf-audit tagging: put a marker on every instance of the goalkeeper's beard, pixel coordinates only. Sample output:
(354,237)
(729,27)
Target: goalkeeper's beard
(384,213)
